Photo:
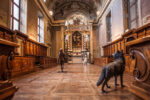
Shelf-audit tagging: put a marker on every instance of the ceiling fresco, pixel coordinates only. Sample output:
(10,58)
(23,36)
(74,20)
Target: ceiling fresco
(64,8)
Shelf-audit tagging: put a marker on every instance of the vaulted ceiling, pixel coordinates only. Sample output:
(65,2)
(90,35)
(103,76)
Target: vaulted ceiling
(64,8)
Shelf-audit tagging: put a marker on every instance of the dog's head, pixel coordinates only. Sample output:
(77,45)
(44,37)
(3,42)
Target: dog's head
(118,55)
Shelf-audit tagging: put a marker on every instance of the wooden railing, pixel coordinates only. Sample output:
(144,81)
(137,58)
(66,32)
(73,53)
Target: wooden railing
(31,47)
(112,47)
(120,44)
(46,62)
(22,65)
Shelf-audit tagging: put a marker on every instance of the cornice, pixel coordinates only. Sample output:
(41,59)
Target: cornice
(102,12)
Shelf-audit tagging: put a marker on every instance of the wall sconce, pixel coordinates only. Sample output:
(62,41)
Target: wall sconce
(51,13)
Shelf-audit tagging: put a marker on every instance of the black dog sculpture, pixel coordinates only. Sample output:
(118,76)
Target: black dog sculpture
(115,69)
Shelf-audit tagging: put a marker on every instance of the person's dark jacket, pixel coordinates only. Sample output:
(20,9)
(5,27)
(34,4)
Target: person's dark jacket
(61,56)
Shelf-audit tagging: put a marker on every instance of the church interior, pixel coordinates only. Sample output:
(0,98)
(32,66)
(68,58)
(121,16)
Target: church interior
(32,33)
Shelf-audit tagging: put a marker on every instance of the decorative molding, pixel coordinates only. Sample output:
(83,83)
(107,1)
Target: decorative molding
(102,12)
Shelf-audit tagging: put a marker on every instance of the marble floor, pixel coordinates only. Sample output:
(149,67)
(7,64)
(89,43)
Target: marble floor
(78,82)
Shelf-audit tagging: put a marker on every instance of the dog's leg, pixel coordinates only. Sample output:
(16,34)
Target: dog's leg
(121,80)
(103,91)
(107,85)
(116,82)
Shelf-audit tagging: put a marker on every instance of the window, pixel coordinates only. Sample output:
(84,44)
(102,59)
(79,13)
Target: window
(23,16)
(15,14)
(40,30)
(19,15)
(132,13)
(108,26)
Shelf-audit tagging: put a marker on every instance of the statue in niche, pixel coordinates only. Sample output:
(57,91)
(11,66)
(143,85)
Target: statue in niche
(76,21)
(76,40)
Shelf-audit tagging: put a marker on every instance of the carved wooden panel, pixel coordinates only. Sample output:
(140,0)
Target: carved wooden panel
(6,46)
(46,62)
(7,34)
(1,34)
(22,65)
(3,67)
(35,49)
(100,61)
(140,53)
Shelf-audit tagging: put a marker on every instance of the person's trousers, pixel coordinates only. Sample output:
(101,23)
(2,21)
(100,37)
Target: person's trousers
(62,64)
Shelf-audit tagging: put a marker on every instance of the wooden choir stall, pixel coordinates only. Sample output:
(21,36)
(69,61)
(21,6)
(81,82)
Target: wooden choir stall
(19,55)
(136,48)
(7,45)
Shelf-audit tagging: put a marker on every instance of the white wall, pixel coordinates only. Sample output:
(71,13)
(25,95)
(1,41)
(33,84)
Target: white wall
(117,19)
(116,9)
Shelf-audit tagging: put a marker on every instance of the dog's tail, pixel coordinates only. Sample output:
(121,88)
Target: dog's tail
(101,78)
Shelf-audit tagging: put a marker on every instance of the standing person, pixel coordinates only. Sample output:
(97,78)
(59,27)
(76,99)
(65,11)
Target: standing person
(61,59)
(85,60)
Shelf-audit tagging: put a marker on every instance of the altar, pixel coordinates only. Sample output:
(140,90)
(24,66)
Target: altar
(76,38)
(76,59)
